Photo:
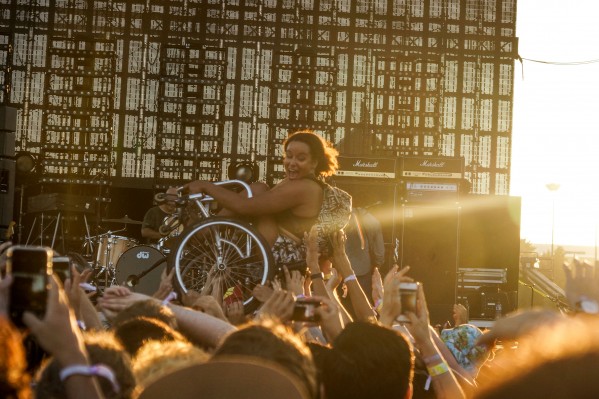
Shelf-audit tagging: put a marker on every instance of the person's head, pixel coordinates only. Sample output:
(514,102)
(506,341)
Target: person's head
(169,205)
(272,341)
(14,380)
(134,333)
(305,153)
(368,361)
(158,358)
(102,348)
(147,308)
(557,360)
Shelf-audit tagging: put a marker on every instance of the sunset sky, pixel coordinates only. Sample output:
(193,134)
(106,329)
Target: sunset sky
(556,121)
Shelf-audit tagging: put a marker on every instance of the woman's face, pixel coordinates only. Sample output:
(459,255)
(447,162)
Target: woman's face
(298,161)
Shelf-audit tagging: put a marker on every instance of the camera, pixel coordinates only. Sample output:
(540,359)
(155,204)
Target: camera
(61,267)
(31,268)
(304,310)
(408,293)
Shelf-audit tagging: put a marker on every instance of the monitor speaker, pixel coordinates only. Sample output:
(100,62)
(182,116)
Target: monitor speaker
(429,243)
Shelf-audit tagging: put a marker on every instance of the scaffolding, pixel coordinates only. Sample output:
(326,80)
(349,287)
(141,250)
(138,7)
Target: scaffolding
(177,90)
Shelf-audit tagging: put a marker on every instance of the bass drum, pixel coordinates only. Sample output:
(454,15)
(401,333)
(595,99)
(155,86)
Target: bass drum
(132,269)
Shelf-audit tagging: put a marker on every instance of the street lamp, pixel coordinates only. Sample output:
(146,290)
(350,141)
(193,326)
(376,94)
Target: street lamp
(553,187)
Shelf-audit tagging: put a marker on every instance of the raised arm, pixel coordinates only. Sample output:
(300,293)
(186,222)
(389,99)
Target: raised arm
(358,298)
(197,326)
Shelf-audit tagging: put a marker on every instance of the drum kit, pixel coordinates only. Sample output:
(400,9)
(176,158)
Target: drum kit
(120,260)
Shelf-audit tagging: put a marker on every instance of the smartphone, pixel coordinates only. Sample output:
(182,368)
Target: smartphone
(31,267)
(408,293)
(61,267)
(304,310)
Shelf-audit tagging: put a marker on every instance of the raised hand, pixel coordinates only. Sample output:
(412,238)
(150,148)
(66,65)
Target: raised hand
(278,306)
(294,281)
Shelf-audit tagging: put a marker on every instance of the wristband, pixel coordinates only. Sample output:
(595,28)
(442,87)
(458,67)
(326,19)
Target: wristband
(300,296)
(378,305)
(169,298)
(432,359)
(314,276)
(437,369)
(97,370)
(81,325)
(351,277)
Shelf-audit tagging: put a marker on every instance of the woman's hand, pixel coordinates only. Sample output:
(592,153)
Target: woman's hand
(58,332)
(460,314)
(340,260)
(279,306)
(166,284)
(196,187)
(294,281)
(235,314)
(391,298)
(581,282)
(419,321)
(330,317)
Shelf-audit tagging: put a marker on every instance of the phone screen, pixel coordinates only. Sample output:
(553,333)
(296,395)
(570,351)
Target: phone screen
(304,310)
(30,268)
(61,266)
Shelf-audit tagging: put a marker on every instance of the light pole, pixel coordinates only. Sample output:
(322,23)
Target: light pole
(553,187)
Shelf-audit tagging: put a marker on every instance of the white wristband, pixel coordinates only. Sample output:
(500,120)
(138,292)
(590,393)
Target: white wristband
(97,370)
(171,296)
(349,278)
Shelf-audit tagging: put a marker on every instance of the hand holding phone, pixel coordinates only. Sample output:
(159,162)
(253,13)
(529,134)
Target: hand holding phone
(304,310)
(30,267)
(408,293)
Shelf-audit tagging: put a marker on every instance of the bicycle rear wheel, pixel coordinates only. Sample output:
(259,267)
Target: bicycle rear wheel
(233,252)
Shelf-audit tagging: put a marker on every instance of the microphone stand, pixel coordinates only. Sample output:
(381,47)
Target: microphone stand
(133,279)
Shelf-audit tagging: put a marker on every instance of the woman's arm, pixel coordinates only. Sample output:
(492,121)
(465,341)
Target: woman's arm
(285,195)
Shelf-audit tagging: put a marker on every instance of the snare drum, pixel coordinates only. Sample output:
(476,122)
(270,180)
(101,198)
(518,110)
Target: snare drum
(111,248)
(135,262)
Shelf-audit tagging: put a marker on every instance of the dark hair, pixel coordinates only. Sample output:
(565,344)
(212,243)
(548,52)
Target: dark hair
(320,149)
(134,333)
(275,342)
(368,361)
(147,308)
(102,348)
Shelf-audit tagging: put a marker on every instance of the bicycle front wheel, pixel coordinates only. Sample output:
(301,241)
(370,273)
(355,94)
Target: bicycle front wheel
(224,253)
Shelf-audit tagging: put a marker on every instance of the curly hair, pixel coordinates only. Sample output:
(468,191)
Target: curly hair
(320,149)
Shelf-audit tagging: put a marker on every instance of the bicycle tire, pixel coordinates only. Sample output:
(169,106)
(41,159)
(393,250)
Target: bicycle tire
(233,249)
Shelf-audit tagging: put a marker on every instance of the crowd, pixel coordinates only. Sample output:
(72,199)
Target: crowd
(302,342)
(130,344)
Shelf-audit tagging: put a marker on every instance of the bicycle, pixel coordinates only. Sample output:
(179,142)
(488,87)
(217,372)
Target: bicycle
(217,252)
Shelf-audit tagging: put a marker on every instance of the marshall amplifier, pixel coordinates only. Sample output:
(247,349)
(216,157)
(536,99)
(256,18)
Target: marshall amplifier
(432,168)
(363,167)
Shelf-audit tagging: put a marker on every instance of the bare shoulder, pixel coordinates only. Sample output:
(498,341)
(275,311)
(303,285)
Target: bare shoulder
(298,186)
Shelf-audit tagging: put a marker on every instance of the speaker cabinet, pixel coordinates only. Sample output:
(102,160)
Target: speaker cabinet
(490,239)
(429,244)
(7,195)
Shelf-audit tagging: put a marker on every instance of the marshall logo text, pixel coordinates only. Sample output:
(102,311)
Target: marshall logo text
(362,164)
(432,164)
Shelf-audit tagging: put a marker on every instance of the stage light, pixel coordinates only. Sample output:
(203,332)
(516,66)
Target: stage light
(25,162)
(244,171)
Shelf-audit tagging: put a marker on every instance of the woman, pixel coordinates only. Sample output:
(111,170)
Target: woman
(285,212)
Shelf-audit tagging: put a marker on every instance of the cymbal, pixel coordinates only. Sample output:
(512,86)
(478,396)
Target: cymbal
(124,220)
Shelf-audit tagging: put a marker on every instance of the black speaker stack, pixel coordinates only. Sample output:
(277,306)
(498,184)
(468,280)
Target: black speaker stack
(8,127)
(433,225)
